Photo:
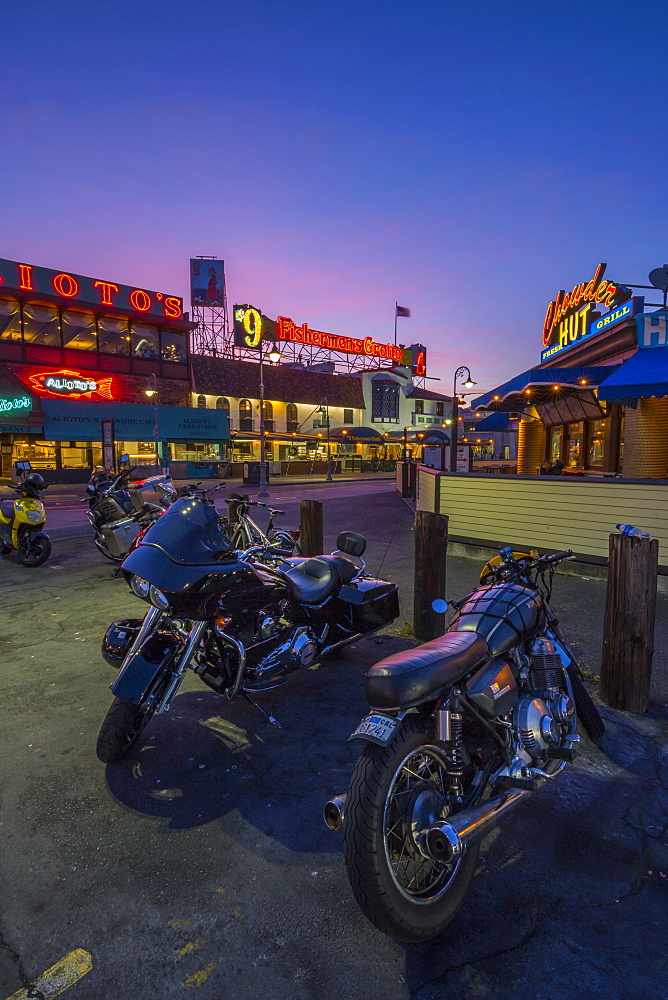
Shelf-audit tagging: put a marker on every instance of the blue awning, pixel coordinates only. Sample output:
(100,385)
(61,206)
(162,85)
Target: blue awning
(497,422)
(539,385)
(643,375)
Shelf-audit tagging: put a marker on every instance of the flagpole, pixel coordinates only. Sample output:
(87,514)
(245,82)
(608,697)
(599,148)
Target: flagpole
(395,323)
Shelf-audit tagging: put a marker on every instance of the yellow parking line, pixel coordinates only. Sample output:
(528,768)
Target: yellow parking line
(65,973)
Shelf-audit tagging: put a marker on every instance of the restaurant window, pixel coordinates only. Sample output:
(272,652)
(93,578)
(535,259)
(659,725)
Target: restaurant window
(348,417)
(173,346)
(595,436)
(201,402)
(245,415)
(385,402)
(74,454)
(439,409)
(574,436)
(268,415)
(419,406)
(10,319)
(113,335)
(79,330)
(291,418)
(556,440)
(223,404)
(41,324)
(40,454)
(144,340)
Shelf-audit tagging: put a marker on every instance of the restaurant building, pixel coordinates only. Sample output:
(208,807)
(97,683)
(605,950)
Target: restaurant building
(598,400)
(76,352)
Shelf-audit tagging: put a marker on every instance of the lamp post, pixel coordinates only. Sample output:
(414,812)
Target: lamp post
(455,412)
(152,392)
(273,356)
(324,409)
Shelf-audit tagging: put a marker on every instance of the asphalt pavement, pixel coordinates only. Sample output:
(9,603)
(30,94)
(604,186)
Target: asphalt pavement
(201,862)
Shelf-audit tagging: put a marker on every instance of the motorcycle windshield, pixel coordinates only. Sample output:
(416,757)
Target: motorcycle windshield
(187,533)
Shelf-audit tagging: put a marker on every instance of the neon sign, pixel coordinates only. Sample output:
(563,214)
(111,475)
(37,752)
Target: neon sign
(70,385)
(286,329)
(91,292)
(567,318)
(20,403)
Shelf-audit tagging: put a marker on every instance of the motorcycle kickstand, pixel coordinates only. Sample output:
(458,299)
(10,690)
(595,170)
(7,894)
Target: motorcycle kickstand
(269,718)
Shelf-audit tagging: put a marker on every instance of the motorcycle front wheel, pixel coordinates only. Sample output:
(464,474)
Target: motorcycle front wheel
(405,894)
(34,551)
(122,726)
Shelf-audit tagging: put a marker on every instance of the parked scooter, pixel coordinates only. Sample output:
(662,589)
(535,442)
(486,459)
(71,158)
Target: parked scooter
(22,520)
(118,512)
(461,730)
(243,627)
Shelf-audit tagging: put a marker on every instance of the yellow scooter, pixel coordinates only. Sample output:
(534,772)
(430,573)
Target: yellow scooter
(21,521)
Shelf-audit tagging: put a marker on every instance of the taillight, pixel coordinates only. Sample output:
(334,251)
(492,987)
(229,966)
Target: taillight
(294,534)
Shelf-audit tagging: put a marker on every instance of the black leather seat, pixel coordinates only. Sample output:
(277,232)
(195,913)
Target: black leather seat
(313,580)
(406,679)
(7,508)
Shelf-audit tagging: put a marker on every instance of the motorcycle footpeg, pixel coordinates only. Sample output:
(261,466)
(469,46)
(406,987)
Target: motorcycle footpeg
(525,784)
(562,753)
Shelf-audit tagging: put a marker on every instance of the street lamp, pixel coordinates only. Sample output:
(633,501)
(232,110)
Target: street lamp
(324,410)
(274,356)
(152,392)
(455,412)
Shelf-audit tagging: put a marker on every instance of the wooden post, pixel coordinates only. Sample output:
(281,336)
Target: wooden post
(233,508)
(310,527)
(431,542)
(628,632)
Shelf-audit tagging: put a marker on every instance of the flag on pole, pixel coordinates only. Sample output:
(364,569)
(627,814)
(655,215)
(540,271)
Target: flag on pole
(403,311)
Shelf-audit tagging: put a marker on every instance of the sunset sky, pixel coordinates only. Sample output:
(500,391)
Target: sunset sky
(467,160)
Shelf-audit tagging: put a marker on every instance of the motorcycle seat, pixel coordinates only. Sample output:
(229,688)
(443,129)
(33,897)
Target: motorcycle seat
(413,676)
(313,580)
(7,508)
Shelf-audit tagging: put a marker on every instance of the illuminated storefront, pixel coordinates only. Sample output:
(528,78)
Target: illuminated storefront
(598,401)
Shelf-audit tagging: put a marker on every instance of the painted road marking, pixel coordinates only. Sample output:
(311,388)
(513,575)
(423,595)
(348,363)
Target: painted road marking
(65,973)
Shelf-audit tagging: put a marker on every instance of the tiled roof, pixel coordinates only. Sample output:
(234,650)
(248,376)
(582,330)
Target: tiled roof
(241,379)
(427,394)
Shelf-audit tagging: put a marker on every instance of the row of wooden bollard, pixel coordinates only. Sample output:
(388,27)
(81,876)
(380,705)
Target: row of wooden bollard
(630,608)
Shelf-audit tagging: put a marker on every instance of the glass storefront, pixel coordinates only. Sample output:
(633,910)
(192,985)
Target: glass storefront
(595,438)
(556,442)
(574,436)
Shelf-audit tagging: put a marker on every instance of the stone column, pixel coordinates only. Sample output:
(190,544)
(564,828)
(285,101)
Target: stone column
(646,440)
(530,444)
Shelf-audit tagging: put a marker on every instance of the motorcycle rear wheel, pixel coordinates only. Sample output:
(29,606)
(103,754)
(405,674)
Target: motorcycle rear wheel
(371,841)
(122,726)
(35,552)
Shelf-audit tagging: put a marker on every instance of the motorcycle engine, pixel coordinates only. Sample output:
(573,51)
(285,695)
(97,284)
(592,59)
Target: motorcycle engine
(543,717)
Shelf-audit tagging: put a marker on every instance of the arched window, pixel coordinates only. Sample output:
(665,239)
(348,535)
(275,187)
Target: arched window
(245,415)
(291,418)
(268,416)
(223,404)
(201,402)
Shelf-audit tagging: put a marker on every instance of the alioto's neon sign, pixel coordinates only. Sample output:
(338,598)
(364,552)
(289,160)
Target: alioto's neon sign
(20,403)
(70,385)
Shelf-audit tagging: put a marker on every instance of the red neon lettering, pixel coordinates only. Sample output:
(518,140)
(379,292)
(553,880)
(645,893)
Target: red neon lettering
(107,288)
(173,307)
(594,291)
(140,300)
(26,277)
(66,285)
(419,365)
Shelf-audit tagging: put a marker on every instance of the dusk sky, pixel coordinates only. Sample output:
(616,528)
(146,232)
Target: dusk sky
(467,160)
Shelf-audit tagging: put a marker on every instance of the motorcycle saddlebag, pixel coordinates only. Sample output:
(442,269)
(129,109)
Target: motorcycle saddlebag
(372,603)
(118,638)
(119,536)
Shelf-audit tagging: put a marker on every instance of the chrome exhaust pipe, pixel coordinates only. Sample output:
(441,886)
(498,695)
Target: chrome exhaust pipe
(334,812)
(449,840)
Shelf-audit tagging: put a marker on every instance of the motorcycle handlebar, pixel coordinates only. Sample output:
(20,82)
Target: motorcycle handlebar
(558,556)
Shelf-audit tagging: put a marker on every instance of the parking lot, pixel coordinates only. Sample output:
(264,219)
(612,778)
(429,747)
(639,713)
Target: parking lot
(201,861)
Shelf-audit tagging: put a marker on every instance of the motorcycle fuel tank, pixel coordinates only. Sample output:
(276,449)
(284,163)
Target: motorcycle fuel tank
(503,613)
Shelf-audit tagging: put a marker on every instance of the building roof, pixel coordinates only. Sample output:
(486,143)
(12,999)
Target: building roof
(541,385)
(416,393)
(642,376)
(241,380)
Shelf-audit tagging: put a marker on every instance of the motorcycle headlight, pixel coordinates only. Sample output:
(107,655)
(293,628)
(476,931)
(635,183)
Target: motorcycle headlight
(34,516)
(140,587)
(158,599)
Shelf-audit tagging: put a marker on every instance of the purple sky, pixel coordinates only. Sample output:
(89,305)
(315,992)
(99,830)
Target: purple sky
(467,160)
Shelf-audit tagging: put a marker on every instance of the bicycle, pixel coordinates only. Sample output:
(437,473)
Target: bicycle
(244,532)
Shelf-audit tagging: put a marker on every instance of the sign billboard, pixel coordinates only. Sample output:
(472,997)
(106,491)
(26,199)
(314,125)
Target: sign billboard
(568,318)
(27,280)
(207,282)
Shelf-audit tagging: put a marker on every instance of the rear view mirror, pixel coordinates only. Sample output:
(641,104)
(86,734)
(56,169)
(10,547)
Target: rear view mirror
(125,458)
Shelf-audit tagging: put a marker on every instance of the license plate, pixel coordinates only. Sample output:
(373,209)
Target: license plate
(376,729)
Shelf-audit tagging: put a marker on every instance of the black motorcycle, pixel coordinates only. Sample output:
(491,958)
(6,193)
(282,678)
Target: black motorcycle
(462,729)
(242,626)
(118,512)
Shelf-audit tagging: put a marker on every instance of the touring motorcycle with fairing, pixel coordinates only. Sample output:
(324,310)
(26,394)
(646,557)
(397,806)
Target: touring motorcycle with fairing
(461,730)
(243,626)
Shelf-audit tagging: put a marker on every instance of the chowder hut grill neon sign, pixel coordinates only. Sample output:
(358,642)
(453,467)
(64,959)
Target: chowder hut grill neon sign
(568,317)
(30,281)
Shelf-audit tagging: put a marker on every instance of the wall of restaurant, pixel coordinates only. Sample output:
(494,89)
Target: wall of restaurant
(646,439)
(308,416)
